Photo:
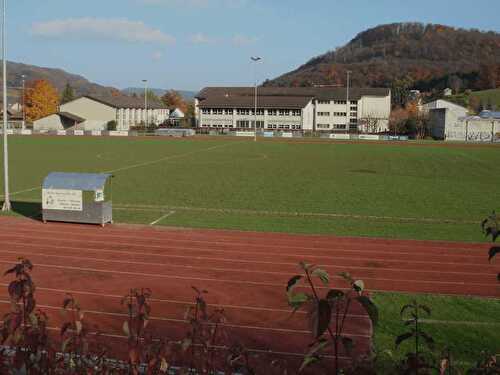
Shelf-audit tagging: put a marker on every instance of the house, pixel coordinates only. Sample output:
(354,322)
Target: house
(324,109)
(442,114)
(94,113)
(14,119)
(175,117)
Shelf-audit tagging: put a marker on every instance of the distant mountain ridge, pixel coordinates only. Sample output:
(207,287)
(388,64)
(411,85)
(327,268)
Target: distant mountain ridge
(186,94)
(57,77)
(419,52)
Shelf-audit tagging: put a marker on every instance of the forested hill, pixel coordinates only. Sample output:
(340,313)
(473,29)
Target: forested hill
(425,54)
(57,77)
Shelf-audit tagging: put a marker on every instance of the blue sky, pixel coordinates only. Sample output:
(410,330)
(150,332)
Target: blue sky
(188,44)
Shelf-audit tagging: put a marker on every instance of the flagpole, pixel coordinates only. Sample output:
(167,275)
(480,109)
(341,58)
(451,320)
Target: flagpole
(6,203)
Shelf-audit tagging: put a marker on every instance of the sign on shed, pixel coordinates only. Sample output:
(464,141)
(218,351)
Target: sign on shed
(77,197)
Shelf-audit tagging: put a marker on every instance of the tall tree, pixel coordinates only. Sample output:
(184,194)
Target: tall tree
(173,99)
(68,94)
(41,99)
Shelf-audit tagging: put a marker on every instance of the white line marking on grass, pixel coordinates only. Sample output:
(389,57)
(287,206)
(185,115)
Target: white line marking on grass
(146,163)
(162,217)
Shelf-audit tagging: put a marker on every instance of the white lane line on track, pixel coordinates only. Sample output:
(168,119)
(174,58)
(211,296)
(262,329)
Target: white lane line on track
(485,265)
(261,351)
(144,164)
(176,302)
(162,217)
(232,241)
(242,282)
(232,269)
(182,321)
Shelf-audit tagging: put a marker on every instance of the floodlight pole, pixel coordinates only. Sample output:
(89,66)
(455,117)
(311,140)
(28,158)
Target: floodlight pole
(146,101)
(255,60)
(348,122)
(6,203)
(24,100)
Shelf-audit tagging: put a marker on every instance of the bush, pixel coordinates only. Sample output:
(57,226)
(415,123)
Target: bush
(111,125)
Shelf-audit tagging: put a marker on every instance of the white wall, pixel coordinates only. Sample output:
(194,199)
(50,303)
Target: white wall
(473,130)
(52,122)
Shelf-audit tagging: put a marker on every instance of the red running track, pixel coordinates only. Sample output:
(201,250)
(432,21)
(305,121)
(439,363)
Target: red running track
(244,272)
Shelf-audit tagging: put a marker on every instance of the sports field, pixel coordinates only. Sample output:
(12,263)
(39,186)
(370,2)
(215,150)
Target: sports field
(418,191)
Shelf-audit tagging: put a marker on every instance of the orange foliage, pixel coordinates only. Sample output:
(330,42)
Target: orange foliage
(173,99)
(41,98)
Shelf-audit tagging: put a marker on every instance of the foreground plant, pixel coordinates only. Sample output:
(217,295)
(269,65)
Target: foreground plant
(327,314)
(418,361)
(491,228)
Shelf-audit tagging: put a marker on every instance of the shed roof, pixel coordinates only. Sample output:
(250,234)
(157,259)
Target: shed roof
(76,181)
(125,101)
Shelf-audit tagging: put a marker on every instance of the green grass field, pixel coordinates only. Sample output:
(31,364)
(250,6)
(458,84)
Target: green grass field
(421,191)
(489,97)
(465,326)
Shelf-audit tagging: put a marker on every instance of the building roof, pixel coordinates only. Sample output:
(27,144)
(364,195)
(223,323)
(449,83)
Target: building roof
(245,101)
(125,101)
(76,181)
(320,93)
(71,116)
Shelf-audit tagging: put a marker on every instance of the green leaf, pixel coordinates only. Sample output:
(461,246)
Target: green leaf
(293,282)
(320,316)
(322,275)
(370,308)
(297,300)
(347,276)
(306,266)
(309,361)
(334,294)
(406,307)
(493,252)
(403,337)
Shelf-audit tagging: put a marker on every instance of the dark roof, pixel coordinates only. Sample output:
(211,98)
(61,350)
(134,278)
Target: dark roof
(320,93)
(71,116)
(246,101)
(125,101)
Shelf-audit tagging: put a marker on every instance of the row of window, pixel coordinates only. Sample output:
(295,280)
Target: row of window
(334,126)
(336,114)
(247,125)
(338,102)
(251,112)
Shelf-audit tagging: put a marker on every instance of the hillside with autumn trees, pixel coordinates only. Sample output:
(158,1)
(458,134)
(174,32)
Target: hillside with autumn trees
(427,57)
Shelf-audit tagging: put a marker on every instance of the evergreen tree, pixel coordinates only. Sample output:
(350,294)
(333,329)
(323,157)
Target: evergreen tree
(68,94)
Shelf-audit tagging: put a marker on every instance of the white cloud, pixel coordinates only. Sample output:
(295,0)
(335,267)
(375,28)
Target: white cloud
(103,28)
(201,38)
(243,40)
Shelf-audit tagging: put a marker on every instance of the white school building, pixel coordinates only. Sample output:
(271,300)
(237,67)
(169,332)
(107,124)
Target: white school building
(324,109)
(93,113)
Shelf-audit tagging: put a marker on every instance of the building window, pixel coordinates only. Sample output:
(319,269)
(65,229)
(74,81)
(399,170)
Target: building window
(340,126)
(284,112)
(218,111)
(354,121)
(205,111)
(244,124)
(243,112)
(323,102)
(340,102)
(354,107)
(354,114)
(260,124)
(229,111)
(296,112)
(324,114)
(323,126)
(272,112)
(340,114)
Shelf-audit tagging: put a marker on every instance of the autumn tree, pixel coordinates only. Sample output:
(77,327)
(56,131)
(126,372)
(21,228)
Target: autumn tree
(41,99)
(174,99)
(68,94)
